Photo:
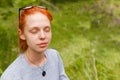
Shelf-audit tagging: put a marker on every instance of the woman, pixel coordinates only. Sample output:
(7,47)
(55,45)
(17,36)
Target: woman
(36,62)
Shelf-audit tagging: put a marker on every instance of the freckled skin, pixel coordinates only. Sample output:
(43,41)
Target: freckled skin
(37,32)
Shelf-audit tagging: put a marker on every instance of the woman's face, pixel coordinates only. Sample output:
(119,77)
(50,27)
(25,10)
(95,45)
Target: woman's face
(37,32)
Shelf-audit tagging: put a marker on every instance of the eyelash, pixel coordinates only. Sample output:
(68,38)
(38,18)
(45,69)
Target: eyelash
(35,30)
(47,29)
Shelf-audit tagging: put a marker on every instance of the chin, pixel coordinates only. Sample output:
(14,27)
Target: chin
(42,50)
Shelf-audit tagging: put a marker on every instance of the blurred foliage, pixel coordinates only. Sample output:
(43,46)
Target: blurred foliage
(85,32)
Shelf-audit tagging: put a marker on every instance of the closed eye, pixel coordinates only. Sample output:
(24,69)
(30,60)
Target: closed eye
(34,30)
(47,29)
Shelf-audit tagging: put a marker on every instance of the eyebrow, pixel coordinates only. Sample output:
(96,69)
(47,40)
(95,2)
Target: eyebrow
(34,28)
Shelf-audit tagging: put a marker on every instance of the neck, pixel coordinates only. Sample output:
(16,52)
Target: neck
(35,58)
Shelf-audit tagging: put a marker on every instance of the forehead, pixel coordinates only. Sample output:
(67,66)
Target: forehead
(37,20)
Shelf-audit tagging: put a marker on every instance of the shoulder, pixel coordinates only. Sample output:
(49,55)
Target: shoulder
(51,50)
(16,63)
(12,69)
(52,53)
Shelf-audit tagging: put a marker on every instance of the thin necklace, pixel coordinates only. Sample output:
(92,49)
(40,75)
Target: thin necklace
(43,71)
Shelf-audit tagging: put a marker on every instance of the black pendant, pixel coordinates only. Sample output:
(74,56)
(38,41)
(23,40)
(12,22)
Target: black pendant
(43,73)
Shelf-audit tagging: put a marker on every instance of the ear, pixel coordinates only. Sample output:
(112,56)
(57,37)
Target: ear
(21,35)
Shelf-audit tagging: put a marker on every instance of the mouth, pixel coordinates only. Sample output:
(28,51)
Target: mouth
(42,45)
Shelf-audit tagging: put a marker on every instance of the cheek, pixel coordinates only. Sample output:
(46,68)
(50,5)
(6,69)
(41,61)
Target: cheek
(31,39)
(49,36)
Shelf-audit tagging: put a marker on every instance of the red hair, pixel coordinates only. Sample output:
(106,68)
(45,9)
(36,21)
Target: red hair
(25,12)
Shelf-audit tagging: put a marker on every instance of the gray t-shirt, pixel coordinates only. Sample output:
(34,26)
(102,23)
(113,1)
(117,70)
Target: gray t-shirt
(21,70)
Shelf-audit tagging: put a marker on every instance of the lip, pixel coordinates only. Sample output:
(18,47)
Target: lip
(42,45)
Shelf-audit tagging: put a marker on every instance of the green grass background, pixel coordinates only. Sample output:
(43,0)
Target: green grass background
(85,32)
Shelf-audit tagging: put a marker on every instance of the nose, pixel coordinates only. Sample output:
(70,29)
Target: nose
(42,35)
